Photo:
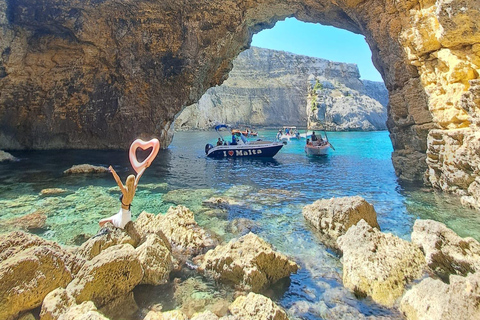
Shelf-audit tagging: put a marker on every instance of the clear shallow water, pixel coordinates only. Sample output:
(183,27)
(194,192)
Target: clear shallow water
(269,192)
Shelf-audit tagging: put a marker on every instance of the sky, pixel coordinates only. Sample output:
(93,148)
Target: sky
(319,41)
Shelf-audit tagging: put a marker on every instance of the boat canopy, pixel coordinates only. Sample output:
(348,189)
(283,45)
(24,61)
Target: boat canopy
(218,127)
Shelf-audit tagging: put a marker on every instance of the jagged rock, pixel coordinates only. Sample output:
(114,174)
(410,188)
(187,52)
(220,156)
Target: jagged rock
(28,274)
(378,264)
(112,273)
(256,306)
(5,156)
(206,315)
(85,168)
(181,230)
(241,226)
(433,299)
(248,262)
(333,217)
(156,260)
(446,253)
(107,237)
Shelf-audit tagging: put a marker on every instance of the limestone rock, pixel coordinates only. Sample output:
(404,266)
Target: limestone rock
(56,303)
(107,237)
(85,168)
(378,264)
(248,262)
(433,299)
(256,306)
(112,273)
(29,222)
(84,311)
(27,276)
(168,315)
(123,307)
(145,224)
(206,315)
(181,230)
(156,260)
(333,217)
(446,253)
(52,191)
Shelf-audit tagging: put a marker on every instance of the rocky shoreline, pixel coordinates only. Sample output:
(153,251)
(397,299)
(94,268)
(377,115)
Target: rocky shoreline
(40,279)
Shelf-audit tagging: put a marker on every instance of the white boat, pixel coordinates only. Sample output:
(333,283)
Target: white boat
(317,149)
(288,132)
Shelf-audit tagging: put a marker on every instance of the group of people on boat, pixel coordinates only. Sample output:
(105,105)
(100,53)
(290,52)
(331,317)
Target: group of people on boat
(316,141)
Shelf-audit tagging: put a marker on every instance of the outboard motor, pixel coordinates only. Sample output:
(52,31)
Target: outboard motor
(208,146)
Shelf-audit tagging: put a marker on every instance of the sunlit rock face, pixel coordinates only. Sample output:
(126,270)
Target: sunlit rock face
(97,74)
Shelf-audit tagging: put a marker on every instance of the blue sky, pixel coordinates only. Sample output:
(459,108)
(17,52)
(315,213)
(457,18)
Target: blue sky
(320,41)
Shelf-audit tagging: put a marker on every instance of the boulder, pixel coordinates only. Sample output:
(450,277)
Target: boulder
(446,253)
(86,168)
(248,262)
(184,234)
(206,315)
(28,276)
(378,264)
(156,260)
(256,306)
(123,307)
(52,191)
(169,315)
(146,223)
(56,303)
(333,217)
(84,311)
(111,274)
(107,237)
(433,299)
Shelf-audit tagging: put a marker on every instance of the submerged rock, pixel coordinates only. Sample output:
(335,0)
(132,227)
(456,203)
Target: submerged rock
(85,168)
(52,191)
(433,299)
(378,264)
(30,268)
(256,306)
(248,263)
(32,221)
(333,217)
(446,253)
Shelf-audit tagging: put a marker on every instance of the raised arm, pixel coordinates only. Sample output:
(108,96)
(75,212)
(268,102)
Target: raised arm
(138,176)
(117,179)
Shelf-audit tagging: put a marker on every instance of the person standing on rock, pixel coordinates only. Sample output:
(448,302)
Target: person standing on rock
(123,216)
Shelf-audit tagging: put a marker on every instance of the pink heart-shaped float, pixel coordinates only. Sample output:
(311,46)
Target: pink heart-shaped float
(144,145)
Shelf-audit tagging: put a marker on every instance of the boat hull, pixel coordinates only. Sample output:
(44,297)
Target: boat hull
(245,151)
(317,150)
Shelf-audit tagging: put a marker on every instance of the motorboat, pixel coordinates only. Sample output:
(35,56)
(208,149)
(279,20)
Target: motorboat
(242,148)
(288,132)
(319,147)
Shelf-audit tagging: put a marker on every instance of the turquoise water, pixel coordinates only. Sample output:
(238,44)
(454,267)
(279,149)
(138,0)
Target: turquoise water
(269,192)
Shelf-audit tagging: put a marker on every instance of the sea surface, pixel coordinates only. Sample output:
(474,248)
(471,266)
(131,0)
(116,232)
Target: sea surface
(270,195)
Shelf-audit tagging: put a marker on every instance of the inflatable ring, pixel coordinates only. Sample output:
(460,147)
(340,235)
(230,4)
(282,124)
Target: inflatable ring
(144,145)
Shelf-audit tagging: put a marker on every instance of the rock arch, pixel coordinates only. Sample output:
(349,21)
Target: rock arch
(99,73)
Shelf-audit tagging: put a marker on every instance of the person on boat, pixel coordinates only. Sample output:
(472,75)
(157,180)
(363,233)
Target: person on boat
(123,216)
(308,142)
(279,134)
(314,137)
(219,142)
(234,139)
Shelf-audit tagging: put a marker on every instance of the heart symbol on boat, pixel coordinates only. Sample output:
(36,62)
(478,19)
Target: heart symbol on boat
(144,145)
(230,153)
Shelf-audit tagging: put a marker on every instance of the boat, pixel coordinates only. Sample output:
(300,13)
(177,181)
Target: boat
(288,132)
(243,148)
(319,147)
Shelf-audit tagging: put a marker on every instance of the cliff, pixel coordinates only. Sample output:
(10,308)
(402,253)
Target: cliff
(270,88)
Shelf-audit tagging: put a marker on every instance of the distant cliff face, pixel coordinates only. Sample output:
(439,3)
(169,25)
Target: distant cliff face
(271,88)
